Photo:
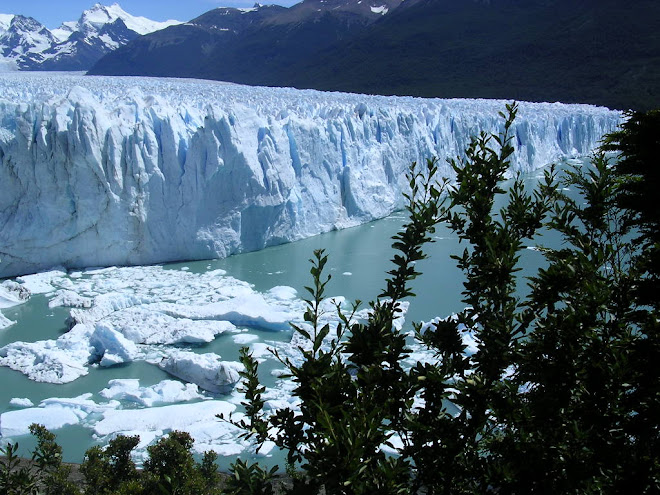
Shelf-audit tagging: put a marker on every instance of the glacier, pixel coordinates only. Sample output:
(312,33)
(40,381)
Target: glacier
(101,171)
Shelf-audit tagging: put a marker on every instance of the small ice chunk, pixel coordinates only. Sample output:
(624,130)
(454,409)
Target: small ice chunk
(245,338)
(172,417)
(15,423)
(12,293)
(283,292)
(162,324)
(112,346)
(109,359)
(52,361)
(105,305)
(41,283)
(208,371)
(5,322)
(53,413)
(70,299)
(21,402)
(348,274)
(248,309)
(260,350)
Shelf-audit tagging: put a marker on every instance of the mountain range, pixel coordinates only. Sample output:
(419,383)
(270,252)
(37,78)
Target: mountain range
(251,46)
(604,52)
(26,44)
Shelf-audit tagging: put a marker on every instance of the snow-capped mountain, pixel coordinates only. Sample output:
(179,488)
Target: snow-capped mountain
(92,22)
(99,171)
(22,39)
(26,44)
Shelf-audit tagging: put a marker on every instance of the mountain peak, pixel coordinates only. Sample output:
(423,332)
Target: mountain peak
(94,19)
(5,22)
(75,45)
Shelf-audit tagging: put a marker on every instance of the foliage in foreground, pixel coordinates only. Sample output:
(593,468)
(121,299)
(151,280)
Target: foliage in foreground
(170,469)
(561,396)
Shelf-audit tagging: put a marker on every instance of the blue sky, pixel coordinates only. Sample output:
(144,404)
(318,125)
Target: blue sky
(52,13)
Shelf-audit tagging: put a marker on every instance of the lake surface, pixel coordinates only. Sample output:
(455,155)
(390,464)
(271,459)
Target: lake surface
(358,261)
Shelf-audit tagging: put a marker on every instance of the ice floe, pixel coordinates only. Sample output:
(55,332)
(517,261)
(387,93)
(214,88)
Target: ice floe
(12,293)
(53,413)
(53,361)
(199,419)
(118,315)
(207,371)
(164,392)
(21,402)
(5,322)
(111,346)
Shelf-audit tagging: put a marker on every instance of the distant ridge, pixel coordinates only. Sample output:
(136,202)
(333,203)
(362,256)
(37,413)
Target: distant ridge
(251,46)
(604,52)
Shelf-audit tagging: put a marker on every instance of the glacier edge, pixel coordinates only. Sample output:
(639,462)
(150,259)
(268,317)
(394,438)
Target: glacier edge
(100,171)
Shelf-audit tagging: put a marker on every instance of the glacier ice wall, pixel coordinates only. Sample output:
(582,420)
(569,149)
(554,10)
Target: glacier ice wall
(99,171)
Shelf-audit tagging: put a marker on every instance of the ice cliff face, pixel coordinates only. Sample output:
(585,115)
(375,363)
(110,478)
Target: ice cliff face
(104,171)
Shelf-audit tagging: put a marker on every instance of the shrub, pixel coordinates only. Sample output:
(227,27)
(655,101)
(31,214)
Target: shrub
(544,404)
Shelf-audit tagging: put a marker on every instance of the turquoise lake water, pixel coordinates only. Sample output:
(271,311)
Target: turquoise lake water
(358,261)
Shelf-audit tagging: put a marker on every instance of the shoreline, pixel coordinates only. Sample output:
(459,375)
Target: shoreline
(75,476)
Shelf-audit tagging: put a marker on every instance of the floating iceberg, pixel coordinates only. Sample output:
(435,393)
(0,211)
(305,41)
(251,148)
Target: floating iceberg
(111,346)
(53,413)
(207,371)
(53,361)
(165,392)
(198,418)
(11,294)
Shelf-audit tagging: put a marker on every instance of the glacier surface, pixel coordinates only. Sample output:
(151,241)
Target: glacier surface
(100,171)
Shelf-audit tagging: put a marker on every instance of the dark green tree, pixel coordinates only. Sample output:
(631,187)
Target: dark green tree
(638,146)
(353,389)
(171,468)
(47,457)
(106,469)
(638,166)
(452,453)
(558,397)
